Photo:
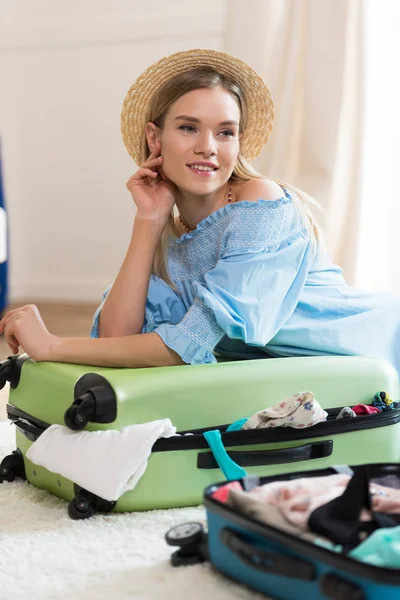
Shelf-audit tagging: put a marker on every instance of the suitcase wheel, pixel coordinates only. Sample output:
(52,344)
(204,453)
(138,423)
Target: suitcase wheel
(12,466)
(190,537)
(74,419)
(185,534)
(79,509)
(86,503)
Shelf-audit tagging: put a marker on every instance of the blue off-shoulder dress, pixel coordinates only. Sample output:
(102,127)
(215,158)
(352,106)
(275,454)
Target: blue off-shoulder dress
(249,285)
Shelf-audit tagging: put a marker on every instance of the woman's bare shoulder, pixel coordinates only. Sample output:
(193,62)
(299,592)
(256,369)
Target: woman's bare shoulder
(257,189)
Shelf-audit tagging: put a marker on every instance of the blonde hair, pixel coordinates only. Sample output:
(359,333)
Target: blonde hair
(209,78)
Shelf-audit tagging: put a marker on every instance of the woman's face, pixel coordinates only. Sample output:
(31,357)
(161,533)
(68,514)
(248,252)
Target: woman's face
(200,127)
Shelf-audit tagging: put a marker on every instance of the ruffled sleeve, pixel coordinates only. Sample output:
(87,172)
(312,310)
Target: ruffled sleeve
(255,286)
(163,305)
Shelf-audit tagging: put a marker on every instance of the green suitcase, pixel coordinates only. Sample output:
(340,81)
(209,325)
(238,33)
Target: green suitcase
(199,398)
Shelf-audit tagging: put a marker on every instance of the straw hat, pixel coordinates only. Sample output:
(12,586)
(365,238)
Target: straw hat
(258,97)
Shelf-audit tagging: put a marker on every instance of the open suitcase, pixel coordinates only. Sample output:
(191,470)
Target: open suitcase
(276,562)
(199,398)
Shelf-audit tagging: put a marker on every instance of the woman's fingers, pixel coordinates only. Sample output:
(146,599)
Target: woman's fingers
(150,168)
(152,162)
(7,318)
(146,173)
(11,340)
(138,177)
(163,175)
(25,328)
(13,345)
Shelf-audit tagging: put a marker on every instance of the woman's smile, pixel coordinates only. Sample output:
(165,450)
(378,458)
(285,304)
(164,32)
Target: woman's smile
(202,171)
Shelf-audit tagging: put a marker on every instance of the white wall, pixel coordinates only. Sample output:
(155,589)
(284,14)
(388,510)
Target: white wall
(65,68)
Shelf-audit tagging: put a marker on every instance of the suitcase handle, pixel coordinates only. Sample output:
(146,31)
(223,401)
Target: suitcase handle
(333,586)
(267,562)
(257,458)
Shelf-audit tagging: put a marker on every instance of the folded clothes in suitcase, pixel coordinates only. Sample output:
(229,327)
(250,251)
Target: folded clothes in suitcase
(196,399)
(269,557)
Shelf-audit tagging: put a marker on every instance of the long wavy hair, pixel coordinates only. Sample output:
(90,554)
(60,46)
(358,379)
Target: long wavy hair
(209,78)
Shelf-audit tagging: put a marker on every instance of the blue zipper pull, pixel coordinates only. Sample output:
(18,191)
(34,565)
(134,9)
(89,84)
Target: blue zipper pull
(230,469)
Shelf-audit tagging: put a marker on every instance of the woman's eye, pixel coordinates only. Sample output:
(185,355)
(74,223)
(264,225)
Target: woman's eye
(191,128)
(186,127)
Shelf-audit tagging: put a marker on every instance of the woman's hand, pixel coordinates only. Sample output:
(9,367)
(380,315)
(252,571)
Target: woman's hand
(153,193)
(24,327)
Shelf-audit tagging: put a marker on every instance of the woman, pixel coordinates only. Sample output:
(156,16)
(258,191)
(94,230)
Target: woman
(241,271)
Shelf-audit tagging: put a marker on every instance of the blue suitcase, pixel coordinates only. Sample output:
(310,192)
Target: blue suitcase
(277,563)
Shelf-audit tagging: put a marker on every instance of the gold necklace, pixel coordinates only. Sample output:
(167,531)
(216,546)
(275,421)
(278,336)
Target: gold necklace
(186,226)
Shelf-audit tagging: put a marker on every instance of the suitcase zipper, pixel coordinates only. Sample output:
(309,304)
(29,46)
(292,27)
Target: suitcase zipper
(332,426)
(194,440)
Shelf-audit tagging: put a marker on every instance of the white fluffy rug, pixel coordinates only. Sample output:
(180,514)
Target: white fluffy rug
(44,554)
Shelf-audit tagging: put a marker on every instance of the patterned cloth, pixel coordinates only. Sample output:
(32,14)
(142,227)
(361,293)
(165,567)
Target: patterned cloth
(248,285)
(298,411)
(383,402)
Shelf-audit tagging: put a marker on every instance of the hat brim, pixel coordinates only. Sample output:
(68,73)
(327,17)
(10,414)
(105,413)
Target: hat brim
(258,98)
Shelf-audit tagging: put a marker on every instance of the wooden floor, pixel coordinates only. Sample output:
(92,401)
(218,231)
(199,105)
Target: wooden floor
(61,319)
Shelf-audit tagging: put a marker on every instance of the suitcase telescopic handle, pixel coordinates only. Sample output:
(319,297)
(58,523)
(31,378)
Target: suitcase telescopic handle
(267,562)
(258,458)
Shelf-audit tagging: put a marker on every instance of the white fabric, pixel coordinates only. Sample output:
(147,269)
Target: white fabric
(106,463)
(3,401)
